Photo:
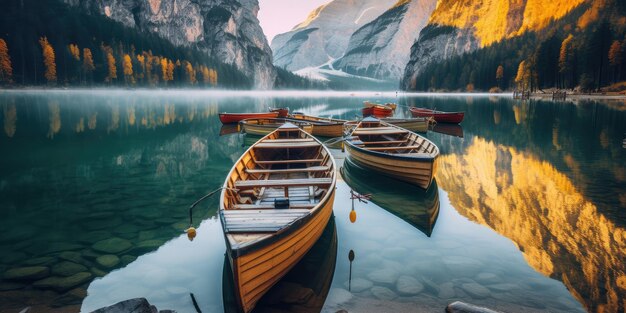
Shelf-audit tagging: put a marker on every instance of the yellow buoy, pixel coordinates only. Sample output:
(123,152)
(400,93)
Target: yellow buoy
(191,233)
(352,216)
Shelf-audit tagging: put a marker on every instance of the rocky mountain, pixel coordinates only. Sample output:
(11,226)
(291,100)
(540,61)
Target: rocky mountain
(380,49)
(461,26)
(324,35)
(228,30)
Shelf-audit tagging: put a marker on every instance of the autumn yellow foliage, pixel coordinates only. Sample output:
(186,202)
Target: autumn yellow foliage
(88,60)
(6,69)
(191,74)
(74,51)
(48,60)
(128,65)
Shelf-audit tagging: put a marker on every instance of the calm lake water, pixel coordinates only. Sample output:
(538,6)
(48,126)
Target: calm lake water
(528,213)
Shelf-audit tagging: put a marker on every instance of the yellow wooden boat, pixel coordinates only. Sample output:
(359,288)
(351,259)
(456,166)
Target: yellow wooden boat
(264,126)
(413,124)
(275,204)
(322,126)
(393,151)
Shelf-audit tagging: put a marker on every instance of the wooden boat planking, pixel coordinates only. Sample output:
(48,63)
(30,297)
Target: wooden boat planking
(418,207)
(439,116)
(282,112)
(322,126)
(264,243)
(377,111)
(393,151)
(234,118)
(369,104)
(264,126)
(419,124)
(315,272)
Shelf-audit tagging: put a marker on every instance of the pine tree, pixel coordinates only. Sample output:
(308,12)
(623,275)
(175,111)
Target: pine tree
(110,61)
(48,60)
(74,51)
(164,70)
(523,78)
(191,74)
(6,69)
(88,66)
(615,58)
(565,60)
(500,75)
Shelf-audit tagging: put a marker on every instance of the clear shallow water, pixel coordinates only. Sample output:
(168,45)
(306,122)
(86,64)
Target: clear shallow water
(531,205)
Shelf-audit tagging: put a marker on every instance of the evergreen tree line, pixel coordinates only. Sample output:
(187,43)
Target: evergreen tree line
(50,43)
(560,56)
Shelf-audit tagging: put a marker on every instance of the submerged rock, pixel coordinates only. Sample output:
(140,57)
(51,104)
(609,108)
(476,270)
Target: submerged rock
(462,307)
(66,268)
(63,283)
(112,245)
(74,296)
(358,285)
(383,293)
(487,278)
(38,261)
(71,256)
(6,286)
(384,276)
(127,259)
(475,290)
(409,286)
(27,273)
(446,291)
(138,305)
(108,260)
(338,296)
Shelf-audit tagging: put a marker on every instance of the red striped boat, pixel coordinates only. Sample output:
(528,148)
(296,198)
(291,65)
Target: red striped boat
(439,116)
(377,111)
(233,118)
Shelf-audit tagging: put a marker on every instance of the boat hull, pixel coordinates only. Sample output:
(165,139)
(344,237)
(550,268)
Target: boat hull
(233,118)
(255,272)
(324,127)
(440,117)
(416,125)
(377,111)
(415,171)
(262,130)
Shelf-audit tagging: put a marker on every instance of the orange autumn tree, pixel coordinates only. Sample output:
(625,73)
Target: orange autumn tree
(110,59)
(48,60)
(615,58)
(141,59)
(213,77)
(74,51)
(566,60)
(164,70)
(6,69)
(88,66)
(127,65)
(191,74)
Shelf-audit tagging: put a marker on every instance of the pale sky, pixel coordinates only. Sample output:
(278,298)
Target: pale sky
(280,16)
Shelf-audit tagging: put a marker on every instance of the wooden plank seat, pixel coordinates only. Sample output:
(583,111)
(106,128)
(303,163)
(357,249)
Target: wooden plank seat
(272,145)
(295,161)
(260,221)
(383,142)
(243,184)
(311,169)
(392,148)
(378,131)
(270,206)
(292,140)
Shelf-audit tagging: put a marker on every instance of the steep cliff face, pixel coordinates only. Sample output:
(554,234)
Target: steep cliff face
(461,26)
(325,34)
(228,30)
(380,49)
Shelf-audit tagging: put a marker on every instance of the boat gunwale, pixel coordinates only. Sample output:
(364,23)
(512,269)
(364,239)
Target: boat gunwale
(431,111)
(260,243)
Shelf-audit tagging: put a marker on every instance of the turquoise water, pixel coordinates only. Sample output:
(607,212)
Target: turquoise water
(528,213)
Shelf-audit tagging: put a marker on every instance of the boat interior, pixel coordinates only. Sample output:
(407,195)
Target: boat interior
(316,120)
(373,135)
(281,179)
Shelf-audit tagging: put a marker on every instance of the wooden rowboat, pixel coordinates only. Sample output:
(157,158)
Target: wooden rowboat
(369,104)
(393,151)
(419,124)
(282,112)
(233,118)
(322,126)
(439,116)
(377,111)
(418,207)
(275,204)
(264,126)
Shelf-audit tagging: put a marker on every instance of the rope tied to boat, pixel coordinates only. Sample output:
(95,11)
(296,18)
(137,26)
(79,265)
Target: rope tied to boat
(191,231)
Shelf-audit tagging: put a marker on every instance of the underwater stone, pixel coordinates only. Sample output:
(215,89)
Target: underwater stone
(383,276)
(446,291)
(148,246)
(383,293)
(475,290)
(74,296)
(38,261)
(338,296)
(462,307)
(127,259)
(487,278)
(71,256)
(108,260)
(27,273)
(66,268)
(6,286)
(112,245)
(407,285)
(359,285)
(63,283)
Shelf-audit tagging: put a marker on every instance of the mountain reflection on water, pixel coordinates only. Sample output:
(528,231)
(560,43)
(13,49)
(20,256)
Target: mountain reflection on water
(532,199)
